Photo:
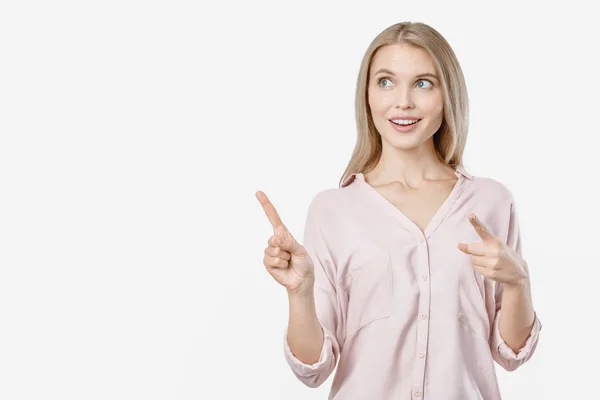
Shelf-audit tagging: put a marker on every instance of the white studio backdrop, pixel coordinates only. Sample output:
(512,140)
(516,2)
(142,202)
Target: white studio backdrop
(133,136)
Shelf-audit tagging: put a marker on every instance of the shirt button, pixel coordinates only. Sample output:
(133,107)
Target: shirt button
(424,277)
(423,315)
(421,240)
(421,354)
(417,392)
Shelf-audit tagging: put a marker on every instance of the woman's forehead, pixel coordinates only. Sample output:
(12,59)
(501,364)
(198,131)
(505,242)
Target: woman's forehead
(402,60)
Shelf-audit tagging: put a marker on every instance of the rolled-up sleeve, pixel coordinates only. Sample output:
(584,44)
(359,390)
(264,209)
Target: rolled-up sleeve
(313,375)
(501,352)
(326,303)
(504,355)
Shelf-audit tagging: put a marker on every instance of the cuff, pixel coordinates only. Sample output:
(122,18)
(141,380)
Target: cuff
(306,370)
(526,351)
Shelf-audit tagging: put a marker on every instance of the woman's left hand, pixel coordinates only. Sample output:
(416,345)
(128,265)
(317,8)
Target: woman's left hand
(493,259)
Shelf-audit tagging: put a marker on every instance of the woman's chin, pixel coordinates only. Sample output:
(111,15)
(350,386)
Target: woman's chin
(404,142)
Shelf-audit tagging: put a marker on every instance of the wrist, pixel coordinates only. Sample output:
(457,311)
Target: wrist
(301,302)
(304,291)
(518,285)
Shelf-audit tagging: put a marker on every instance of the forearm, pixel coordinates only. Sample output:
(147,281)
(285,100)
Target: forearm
(305,335)
(518,315)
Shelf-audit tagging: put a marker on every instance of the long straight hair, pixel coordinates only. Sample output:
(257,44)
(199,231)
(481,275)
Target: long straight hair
(451,137)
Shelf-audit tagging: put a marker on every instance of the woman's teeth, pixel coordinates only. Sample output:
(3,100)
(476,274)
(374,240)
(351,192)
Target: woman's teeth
(405,121)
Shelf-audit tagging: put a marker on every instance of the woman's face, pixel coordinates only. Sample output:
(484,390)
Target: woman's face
(404,86)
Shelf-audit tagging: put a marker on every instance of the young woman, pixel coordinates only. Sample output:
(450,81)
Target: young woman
(410,278)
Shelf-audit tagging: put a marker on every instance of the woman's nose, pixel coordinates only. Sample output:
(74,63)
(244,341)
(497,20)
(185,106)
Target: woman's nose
(404,99)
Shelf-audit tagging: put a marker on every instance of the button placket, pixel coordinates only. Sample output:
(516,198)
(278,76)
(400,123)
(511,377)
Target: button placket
(422,319)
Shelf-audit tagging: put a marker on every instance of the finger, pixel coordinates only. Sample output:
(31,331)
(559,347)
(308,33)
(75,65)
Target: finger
(275,262)
(480,269)
(276,241)
(478,249)
(278,252)
(270,210)
(273,241)
(286,242)
(482,230)
(482,261)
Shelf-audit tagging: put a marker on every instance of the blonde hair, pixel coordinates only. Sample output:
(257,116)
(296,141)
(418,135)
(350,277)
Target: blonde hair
(451,138)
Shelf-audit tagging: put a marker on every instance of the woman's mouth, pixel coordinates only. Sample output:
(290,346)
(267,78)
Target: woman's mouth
(404,125)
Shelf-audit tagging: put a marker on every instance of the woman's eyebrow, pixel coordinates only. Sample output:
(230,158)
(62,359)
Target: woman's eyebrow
(425,75)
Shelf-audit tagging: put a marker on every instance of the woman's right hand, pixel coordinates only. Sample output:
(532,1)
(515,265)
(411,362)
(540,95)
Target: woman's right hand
(286,260)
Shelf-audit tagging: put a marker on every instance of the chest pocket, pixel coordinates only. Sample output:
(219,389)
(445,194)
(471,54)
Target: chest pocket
(370,292)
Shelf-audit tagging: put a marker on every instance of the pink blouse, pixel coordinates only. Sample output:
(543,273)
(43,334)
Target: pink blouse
(404,314)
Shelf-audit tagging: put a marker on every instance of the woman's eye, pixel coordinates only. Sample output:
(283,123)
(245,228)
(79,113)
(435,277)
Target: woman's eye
(382,80)
(421,83)
(424,81)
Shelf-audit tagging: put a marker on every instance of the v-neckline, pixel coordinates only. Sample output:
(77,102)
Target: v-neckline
(435,220)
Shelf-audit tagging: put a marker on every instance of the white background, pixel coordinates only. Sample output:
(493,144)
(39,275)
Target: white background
(134,135)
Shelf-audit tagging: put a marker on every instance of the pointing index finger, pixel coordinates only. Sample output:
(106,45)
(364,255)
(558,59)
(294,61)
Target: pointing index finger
(270,210)
(482,230)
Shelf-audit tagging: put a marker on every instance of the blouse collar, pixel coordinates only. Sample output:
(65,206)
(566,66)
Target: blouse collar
(459,169)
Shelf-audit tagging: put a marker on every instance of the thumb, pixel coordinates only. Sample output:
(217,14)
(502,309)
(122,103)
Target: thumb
(296,249)
(286,241)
